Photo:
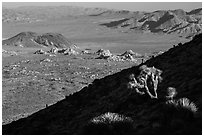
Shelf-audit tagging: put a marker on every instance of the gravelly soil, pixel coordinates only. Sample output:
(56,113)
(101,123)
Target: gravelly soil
(32,82)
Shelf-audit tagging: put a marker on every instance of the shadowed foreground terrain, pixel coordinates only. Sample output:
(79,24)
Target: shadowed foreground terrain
(123,110)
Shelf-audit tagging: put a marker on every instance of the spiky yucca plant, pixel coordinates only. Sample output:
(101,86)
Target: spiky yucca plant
(110,118)
(109,123)
(184,103)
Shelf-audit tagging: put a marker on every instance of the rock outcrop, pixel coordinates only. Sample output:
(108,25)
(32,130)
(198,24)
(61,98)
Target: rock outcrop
(127,56)
(65,51)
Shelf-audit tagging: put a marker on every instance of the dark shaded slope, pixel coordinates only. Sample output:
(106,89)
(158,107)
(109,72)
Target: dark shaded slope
(153,24)
(53,39)
(181,68)
(195,11)
(114,23)
(32,39)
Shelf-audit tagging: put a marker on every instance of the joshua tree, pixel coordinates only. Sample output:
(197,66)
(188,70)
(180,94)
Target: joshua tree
(147,77)
(135,85)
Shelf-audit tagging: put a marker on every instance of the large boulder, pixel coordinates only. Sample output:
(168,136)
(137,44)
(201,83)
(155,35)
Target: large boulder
(40,52)
(70,51)
(104,53)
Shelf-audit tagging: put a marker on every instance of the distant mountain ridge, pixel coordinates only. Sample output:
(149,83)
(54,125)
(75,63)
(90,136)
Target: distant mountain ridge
(43,13)
(185,24)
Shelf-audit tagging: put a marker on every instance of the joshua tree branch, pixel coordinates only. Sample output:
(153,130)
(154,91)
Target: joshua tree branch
(147,90)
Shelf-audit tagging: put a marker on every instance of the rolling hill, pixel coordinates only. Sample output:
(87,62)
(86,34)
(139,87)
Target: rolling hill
(32,39)
(108,106)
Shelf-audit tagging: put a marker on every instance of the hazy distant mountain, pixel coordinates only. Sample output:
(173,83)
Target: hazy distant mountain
(178,21)
(43,13)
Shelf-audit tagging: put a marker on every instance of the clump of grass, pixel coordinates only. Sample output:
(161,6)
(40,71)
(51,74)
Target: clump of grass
(186,103)
(109,118)
(109,123)
(183,103)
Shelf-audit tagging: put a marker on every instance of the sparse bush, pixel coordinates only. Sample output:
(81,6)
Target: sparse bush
(110,118)
(183,103)
(179,115)
(109,123)
(171,92)
(186,103)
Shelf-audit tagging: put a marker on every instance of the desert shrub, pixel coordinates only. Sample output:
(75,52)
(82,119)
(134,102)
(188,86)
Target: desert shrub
(178,116)
(109,123)
(183,103)
(171,92)
(110,118)
(186,103)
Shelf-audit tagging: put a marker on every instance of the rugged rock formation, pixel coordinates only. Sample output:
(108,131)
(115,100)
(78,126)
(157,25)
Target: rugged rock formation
(104,53)
(181,68)
(185,24)
(70,51)
(65,51)
(40,52)
(127,56)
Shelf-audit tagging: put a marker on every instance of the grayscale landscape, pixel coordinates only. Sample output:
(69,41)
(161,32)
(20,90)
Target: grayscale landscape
(82,70)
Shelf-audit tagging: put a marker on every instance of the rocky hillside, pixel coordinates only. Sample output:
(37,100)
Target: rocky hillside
(110,106)
(180,22)
(32,39)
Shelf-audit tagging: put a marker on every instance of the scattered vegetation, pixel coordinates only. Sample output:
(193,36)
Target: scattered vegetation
(109,123)
(181,72)
(171,93)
